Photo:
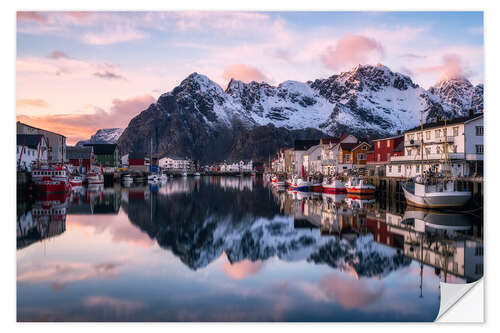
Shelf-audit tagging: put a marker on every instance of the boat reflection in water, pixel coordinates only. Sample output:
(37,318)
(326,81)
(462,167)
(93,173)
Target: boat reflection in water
(235,249)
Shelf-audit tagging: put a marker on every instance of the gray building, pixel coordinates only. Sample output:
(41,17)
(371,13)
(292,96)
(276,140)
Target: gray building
(56,143)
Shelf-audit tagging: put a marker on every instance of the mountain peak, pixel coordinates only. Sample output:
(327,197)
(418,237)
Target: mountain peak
(104,135)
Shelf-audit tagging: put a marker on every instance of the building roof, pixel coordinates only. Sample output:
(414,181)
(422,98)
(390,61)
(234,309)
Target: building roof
(440,123)
(102,148)
(389,138)
(305,144)
(78,152)
(136,155)
(335,140)
(348,146)
(40,129)
(29,140)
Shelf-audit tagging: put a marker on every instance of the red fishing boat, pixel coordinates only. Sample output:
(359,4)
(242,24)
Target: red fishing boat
(357,185)
(50,179)
(333,186)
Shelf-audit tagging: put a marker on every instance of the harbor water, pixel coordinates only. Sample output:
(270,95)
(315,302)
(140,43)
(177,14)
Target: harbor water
(215,248)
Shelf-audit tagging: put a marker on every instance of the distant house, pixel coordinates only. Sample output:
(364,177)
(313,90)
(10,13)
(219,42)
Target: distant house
(352,155)
(106,154)
(381,152)
(31,148)
(80,157)
(299,149)
(175,163)
(312,159)
(330,151)
(56,143)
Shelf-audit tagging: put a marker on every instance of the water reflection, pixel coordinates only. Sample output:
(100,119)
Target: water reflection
(230,248)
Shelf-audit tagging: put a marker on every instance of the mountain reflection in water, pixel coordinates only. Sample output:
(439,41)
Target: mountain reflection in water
(232,249)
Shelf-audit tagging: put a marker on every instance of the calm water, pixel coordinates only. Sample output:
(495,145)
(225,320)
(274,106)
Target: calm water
(232,249)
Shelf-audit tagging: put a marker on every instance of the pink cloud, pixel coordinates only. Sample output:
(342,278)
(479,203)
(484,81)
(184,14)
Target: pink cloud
(77,126)
(351,49)
(350,293)
(244,73)
(451,68)
(32,16)
(242,269)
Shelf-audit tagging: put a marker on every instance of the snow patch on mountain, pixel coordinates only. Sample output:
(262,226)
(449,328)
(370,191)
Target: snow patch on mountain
(106,135)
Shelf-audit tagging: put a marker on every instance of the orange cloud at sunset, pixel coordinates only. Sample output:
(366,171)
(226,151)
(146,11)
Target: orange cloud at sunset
(31,102)
(351,49)
(80,126)
(242,269)
(244,73)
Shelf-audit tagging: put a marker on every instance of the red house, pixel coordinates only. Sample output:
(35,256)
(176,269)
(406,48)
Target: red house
(81,157)
(384,148)
(136,158)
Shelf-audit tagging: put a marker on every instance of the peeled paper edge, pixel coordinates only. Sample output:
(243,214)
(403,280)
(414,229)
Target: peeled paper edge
(451,297)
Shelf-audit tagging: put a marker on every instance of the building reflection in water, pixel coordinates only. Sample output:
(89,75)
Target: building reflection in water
(450,242)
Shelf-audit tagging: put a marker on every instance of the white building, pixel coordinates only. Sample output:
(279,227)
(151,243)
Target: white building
(30,149)
(175,163)
(330,153)
(311,159)
(125,160)
(461,138)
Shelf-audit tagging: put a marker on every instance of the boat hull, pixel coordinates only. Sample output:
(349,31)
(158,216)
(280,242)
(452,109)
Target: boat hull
(317,188)
(437,199)
(354,190)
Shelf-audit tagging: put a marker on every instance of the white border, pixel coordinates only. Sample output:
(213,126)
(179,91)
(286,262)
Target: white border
(492,136)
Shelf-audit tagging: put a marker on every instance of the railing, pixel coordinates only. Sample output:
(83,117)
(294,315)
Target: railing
(451,156)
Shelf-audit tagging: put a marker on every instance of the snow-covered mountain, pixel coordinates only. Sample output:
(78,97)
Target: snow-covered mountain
(106,135)
(459,94)
(367,100)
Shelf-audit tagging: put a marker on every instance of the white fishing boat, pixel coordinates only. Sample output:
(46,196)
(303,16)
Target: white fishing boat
(95,176)
(196,174)
(76,181)
(153,178)
(127,179)
(434,190)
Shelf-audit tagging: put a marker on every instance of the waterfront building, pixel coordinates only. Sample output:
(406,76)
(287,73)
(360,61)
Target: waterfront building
(299,149)
(381,152)
(137,161)
(329,153)
(175,163)
(30,148)
(56,143)
(462,138)
(105,154)
(80,157)
(312,160)
(350,155)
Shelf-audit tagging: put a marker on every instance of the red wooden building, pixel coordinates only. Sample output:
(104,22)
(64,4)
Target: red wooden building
(80,157)
(384,148)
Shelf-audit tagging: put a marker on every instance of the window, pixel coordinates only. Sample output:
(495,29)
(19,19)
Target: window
(417,168)
(479,149)
(454,148)
(388,143)
(437,133)
(348,158)
(438,149)
(390,168)
(378,157)
(455,131)
(410,136)
(408,152)
(428,135)
(378,144)
(361,156)
(388,156)
(479,130)
(399,168)
(428,151)
(479,251)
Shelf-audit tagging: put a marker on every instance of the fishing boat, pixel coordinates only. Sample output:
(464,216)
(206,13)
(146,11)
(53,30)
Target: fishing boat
(333,185)
(153,178)
(96,176)
(127,179)
(432,189)
(196,174)
(301,184)
(76,181)
(357,185)
(424,219)
(317,185)
(50,179)
(280,181)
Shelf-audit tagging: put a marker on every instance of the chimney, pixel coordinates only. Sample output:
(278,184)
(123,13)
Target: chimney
(438,118)
(398,132)
(470,113)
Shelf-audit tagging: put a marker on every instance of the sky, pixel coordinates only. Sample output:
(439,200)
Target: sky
(77,72)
